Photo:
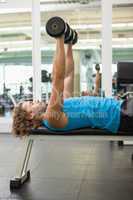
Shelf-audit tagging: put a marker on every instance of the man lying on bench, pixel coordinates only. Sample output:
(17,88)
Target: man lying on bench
(64,112)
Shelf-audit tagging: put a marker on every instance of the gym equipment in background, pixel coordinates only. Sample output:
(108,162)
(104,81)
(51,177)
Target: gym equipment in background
(45,76)
(125,78)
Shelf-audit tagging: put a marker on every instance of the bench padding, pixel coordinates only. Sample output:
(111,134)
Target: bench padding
(83,131)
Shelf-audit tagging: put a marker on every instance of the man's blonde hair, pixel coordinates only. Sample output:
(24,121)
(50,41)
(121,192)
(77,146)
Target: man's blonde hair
(21,123)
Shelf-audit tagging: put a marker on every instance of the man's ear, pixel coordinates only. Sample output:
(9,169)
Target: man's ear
(30,115)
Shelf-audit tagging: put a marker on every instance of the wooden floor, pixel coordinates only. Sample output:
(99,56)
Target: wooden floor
(63,169)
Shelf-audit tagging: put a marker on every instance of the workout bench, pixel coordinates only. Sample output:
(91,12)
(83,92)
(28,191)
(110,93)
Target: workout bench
(124,76)
(23,174)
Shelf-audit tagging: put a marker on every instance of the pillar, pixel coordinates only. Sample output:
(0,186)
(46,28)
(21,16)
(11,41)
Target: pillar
(107,47)
(36,53)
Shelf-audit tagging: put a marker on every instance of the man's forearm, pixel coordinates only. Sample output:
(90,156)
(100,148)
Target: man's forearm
(59,61)
(69,73)
(56,98)
(69,61)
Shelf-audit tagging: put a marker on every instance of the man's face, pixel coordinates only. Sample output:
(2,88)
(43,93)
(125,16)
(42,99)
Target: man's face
(34,107)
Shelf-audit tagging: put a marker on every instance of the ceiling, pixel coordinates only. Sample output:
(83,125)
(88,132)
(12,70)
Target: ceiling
(83,15)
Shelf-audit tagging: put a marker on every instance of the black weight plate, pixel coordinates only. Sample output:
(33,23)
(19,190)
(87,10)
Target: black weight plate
(55,27)
(75,38)
(67,31)
(70,37)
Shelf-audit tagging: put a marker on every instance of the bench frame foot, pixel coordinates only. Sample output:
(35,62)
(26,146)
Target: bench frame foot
(23,175)
(16,183)
(120,143)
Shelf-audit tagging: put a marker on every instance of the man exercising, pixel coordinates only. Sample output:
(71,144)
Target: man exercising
(64,112)
(96,91)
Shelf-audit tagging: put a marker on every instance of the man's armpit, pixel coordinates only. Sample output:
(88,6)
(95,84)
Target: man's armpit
(58,119)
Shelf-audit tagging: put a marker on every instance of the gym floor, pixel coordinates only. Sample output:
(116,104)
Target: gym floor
(69,168)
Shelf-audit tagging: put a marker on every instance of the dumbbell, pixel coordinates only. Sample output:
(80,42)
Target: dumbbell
(97,67)
(75,37)
(71,37)
(68,35)
(56,27)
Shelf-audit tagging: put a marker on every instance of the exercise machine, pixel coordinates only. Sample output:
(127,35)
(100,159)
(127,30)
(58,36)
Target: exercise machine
(124,82)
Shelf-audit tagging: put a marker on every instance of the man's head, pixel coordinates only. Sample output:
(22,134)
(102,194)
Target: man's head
(27,115)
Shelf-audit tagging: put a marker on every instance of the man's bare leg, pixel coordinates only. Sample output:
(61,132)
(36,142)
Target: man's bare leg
(69,73)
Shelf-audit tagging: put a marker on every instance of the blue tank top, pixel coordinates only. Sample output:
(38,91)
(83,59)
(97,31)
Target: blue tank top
(94,112)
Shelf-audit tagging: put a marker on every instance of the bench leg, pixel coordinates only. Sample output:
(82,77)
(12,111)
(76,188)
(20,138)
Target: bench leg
(22,174)
(120,143)
(132,157)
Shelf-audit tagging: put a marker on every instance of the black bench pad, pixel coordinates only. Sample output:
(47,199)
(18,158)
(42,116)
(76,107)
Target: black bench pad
(83,131)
